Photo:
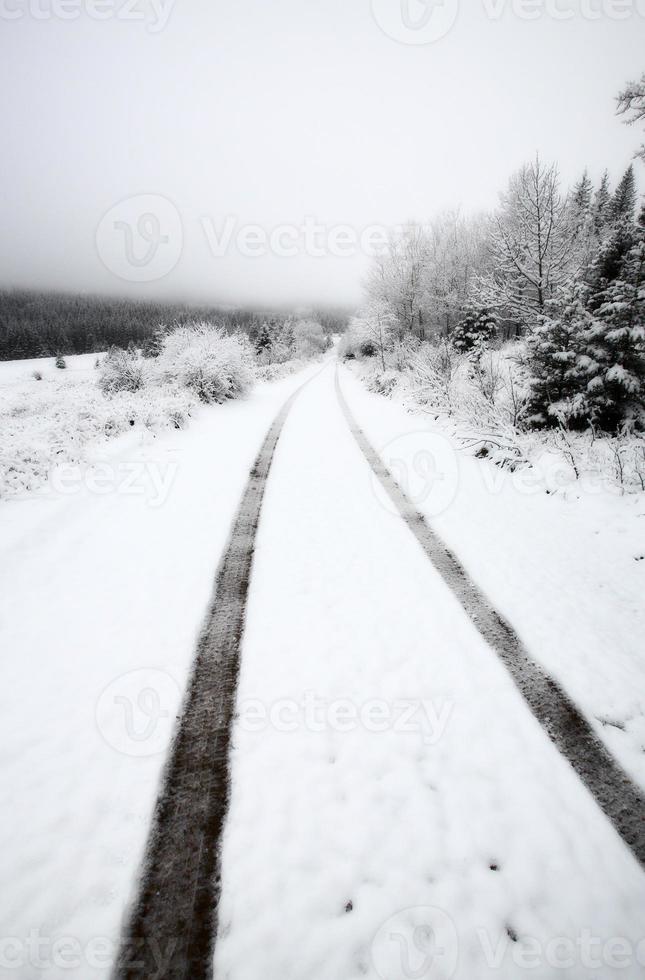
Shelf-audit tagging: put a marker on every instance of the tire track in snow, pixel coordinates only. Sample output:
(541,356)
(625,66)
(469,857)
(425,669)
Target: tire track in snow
(173,922)
(618,797)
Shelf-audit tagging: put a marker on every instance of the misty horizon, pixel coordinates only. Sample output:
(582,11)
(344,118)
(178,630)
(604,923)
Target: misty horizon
(222,128)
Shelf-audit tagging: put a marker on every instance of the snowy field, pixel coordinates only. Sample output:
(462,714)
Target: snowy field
(104,584)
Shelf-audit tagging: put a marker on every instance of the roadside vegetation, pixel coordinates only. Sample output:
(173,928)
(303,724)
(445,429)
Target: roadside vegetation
(524,329)
(55,416)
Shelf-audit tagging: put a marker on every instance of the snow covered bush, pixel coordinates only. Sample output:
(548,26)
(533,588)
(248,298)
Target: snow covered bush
(309,339)
(214,365)
(120,370)
(58,422)
(279,370)
(475,331)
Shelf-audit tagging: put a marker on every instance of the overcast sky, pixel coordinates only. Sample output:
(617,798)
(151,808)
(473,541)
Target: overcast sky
(137,151)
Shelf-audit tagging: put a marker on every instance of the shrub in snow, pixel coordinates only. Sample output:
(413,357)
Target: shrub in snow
(475,331)
(152,345)
(274,372)
(201,357)
(55,423)
(384,382)
(309,339)
(121,370)
(60,362)
(37,376)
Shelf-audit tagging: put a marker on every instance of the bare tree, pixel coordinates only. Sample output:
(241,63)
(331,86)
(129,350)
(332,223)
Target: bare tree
(530,244)
(631,103)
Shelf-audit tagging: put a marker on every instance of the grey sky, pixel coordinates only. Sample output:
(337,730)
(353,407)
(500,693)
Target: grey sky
(269,113)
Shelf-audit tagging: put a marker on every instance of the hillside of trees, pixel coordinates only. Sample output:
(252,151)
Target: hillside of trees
(35,324)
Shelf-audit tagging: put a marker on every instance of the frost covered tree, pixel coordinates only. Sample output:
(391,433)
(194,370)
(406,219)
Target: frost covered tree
(474,332)
(581,201)
(398,279)
(608,261)
(530,244)
(557,379)
(587,365)
(615,343)
(623,203)
(631,103)
(601,202)
(375,331)
(426,274)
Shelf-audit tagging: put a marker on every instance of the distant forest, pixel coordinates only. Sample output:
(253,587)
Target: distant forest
(34,324)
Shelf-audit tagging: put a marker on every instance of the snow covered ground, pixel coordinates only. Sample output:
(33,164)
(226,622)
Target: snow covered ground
(566,569)
(104,583)
(396,809)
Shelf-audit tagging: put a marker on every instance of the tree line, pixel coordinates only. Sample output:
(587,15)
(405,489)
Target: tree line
(43,324)
(564,269)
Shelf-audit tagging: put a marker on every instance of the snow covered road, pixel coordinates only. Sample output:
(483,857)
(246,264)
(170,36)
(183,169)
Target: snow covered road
(103,591)
(396,810)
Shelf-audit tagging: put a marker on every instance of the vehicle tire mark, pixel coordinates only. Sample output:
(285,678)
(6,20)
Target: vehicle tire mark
(172,925)
(619,798)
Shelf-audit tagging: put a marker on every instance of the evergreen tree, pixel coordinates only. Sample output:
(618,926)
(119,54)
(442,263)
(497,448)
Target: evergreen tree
(623,203)
(475,330)
(581,198)
(601,204)
(264,338)
(558,380)
(616,344)
(607,264)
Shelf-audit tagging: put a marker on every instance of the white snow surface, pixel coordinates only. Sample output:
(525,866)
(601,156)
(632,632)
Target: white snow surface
(567,569)
(396,810)
(103,589)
